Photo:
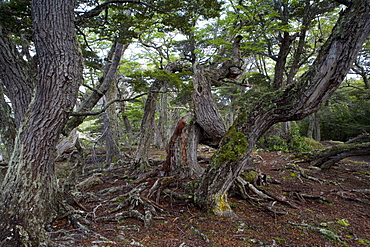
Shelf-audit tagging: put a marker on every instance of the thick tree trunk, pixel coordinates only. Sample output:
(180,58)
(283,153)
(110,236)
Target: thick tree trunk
(205,109)
(294,102)
(327,157)
(29,193)
(181,160)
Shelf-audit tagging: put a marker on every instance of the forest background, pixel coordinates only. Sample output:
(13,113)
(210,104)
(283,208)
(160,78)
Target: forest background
(124,77)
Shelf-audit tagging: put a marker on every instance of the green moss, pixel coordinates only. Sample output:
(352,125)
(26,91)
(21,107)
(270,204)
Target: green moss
(293,174)
(313,143)
(363,241)
(249,176)
(233,147)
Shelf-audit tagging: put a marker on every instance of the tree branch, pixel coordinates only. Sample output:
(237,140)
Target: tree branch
(100,8)
(94,113)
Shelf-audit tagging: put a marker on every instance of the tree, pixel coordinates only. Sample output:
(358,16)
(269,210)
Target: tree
(30,198)
(293,102)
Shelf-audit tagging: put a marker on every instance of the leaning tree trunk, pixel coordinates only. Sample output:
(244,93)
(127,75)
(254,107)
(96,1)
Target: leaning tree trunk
(91,100)
(291,103)
(326,158)
(29,194)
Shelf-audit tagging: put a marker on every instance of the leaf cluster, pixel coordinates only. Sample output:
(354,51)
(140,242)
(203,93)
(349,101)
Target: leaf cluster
(15,17)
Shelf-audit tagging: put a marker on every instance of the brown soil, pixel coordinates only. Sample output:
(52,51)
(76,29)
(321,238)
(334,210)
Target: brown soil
(334,213)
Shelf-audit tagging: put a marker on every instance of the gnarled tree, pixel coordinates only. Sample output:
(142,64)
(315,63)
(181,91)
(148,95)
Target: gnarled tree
(29,194)
(293,102)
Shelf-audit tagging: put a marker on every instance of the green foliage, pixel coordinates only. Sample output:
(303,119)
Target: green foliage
(294,142)
(15,17)
(347,114)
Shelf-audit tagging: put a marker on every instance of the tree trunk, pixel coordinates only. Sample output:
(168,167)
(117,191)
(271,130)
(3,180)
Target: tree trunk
(294,102)
(125,120)
(163,125)
(206,112)
(314,127)
(29,194)
(181,160)
(327,157)
(110,71)
(112,126)
(146,129)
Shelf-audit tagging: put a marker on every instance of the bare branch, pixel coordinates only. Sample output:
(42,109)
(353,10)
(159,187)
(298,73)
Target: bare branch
(94,113)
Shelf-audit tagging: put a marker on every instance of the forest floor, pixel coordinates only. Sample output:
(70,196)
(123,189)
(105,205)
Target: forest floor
(330,208)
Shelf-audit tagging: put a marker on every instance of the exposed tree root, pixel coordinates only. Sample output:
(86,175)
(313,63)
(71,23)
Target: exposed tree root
(244,189)
(327,233)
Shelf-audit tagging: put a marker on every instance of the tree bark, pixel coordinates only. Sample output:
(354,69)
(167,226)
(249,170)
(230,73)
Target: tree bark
(181,160)
(205,109)
(314,127)
(294,102)
(29,194)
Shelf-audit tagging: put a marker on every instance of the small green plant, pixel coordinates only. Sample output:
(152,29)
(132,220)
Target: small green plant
(343,222)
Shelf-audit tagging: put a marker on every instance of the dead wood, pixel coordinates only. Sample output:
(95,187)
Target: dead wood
(167,165)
